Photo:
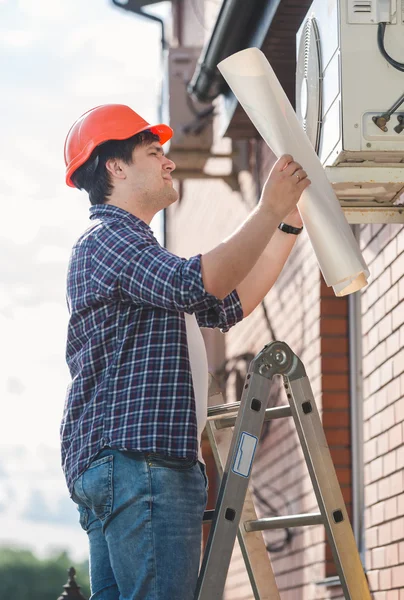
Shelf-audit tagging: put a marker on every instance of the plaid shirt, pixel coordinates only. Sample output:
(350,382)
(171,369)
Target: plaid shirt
(127,345)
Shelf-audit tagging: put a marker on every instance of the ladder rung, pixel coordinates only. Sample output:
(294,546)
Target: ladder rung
(281,522)
(228,419)
(222,409)
(208,515)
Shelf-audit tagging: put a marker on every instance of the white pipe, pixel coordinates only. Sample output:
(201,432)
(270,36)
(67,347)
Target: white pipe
(258,90)
(356,400)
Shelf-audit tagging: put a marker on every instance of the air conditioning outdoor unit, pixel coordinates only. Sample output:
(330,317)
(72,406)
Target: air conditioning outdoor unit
(190,120)
(350,98)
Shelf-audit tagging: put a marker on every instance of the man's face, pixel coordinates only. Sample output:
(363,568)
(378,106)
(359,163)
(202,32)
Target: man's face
(149,176)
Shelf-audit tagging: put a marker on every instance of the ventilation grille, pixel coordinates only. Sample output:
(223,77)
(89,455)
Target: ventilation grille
(364,6)
(361,11)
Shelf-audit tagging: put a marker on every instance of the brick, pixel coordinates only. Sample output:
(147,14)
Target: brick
(401,289)
(385,326)
(389,463)
(335,382)
(400,458)
(368,320)
(344,476)
(334,346)
(398,363)
(392,298)
(368,406)
(377,516)
(393,391)
(338,437)
(340,457)
(383,443)
(333,326)
(397,487)
(384,282)
(397,577)
(384,533)
(377,266)
(398,316)
(386,372)
(391,555)
(393,343)
(334,307)
(370,450)
(376,469)
(400,241)
(395,436)
(372,537)
(373,338)
(374,381)
(390,252)
(397,269)
(334,364)
(373,578)
(401,552)
(333,419)
(385,579)
(378,558)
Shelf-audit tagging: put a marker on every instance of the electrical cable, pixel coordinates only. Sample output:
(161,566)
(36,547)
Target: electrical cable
(381,30)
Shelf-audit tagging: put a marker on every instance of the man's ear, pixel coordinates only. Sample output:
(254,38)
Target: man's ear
(114,167)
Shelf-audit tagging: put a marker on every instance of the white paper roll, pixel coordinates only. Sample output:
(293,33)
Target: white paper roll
(258,90)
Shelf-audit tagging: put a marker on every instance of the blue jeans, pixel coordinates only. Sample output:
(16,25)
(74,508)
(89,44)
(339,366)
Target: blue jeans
(143,516)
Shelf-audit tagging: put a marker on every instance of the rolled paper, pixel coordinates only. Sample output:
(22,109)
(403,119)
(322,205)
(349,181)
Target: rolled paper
(256,87)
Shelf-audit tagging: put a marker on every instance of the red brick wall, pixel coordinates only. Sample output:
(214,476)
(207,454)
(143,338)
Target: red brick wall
(335,393)
(383,370)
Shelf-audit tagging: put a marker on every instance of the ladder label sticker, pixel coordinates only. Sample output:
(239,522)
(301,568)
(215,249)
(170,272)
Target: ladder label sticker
(245,454)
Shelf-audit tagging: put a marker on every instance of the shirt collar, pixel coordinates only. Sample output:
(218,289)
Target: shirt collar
(101,211)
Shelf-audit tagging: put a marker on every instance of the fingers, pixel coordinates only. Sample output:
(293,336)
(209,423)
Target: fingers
(283,162)
(303,183)
(291,168)
(299,174)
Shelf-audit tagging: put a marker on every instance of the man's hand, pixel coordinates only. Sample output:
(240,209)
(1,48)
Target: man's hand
(227,266)
(283,188)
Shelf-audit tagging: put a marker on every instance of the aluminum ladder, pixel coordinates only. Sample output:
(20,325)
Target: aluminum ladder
(235,514)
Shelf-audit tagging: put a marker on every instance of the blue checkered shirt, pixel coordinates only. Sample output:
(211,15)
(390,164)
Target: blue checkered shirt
(127,347)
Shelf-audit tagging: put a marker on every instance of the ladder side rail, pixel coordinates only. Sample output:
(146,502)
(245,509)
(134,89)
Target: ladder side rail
(253,547)
(233,488)
(327,489)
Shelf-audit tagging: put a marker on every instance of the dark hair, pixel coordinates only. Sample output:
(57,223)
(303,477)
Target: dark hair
(93,175)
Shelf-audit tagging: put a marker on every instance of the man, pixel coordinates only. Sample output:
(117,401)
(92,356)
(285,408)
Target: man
(136,406)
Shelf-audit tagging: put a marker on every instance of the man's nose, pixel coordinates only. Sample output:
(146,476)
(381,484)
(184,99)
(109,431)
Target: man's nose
(169,165)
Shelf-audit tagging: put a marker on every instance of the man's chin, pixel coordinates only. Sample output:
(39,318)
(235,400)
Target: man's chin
(172,196)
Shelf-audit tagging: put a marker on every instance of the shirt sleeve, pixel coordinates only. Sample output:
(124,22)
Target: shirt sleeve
(127,265)
(228,314)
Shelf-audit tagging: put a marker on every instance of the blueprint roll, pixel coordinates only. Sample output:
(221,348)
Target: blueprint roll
(256,87)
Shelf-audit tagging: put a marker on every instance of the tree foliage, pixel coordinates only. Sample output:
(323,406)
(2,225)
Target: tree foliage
(24,576)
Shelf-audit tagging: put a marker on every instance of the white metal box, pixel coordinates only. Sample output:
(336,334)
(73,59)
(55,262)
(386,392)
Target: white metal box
(343,85)
(342,74)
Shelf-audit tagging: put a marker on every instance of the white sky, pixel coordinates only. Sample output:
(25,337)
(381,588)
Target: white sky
(58,58)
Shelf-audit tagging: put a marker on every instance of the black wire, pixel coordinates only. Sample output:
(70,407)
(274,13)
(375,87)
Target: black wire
(381,30)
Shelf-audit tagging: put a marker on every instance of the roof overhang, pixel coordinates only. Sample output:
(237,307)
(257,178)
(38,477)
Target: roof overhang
(267,24)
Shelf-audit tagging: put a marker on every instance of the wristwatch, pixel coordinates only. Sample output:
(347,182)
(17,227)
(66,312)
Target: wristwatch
(289,229)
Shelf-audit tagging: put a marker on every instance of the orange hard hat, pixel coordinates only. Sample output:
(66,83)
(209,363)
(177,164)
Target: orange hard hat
(101,124)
